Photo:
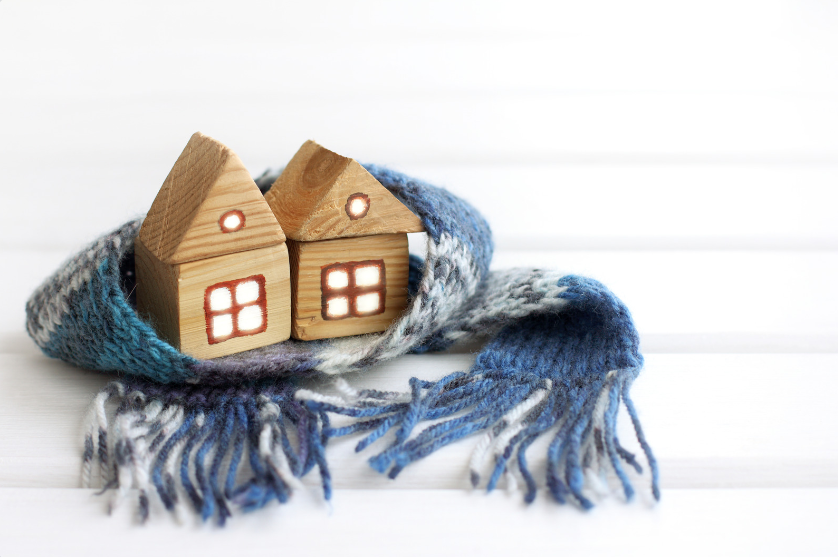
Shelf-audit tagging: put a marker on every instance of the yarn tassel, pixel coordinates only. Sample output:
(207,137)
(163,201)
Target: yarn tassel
(562,374)
(188,445)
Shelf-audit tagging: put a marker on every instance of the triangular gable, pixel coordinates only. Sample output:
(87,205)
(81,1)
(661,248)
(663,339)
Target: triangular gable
(309,199)
(207,181)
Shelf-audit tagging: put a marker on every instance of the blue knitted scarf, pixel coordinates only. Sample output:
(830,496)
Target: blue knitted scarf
(560,356)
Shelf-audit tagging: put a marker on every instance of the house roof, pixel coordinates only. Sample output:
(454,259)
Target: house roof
(207,181)
(311,199)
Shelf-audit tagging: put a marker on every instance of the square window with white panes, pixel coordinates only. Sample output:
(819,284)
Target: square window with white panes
(235,308)
(354,289)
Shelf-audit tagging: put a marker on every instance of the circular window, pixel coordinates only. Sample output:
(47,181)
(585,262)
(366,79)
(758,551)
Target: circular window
(357,206)
(231,221)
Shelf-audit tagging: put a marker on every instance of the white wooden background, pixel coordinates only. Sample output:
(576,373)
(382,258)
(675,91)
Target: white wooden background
(686,154)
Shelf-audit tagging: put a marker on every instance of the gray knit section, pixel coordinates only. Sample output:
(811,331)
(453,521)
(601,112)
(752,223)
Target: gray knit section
(508,295)
(48,304)
(449,281)
(452,302)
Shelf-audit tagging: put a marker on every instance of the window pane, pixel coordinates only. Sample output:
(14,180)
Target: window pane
(337,279)
(367,276)
(337,307)
(357,206)
(250,318)
(220,299)
(368,303)
(232,221)
(222,325)
(247,292)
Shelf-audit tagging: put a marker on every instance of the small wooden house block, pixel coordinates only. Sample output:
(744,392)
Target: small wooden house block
(211,260)
(347,238)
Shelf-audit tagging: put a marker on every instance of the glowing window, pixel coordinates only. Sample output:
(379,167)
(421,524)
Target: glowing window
(222,325)
(337,278)
(247,291)
(220,299)
(338,307)
(250,318)
(235,308)
(354,289)
(368,303)
(357,206)
(369,275)
(231,221)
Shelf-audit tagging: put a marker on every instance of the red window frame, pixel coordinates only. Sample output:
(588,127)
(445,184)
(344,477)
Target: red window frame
(351,291)
(363,197)
(235,308)
(223,217)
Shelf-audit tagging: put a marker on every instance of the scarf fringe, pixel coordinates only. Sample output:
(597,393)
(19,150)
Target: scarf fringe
(561,377)
(511,411)
(189,447)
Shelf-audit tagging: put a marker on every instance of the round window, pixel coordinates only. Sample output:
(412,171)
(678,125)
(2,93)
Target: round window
(231,221)
(357,206)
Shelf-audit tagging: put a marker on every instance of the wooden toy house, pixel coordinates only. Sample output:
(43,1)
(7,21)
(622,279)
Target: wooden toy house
(211,260)
(347,239)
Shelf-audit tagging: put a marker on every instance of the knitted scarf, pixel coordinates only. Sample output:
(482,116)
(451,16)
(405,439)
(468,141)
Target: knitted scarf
(560,355)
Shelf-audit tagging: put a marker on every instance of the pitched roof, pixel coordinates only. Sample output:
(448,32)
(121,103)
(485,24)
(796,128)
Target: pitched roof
(311,199)
(207,180)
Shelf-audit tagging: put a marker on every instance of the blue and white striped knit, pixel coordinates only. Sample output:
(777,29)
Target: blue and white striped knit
(561,355)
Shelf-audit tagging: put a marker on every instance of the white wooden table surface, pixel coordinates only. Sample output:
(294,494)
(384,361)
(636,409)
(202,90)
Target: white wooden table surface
(684,154)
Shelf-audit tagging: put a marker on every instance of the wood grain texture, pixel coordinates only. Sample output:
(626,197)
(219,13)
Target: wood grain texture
(207,180)
(310,196)
(157,293)
(194,278)
(307,260)
(171,297)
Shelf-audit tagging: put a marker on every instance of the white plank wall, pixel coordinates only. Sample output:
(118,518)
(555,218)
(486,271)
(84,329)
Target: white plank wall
(685,154)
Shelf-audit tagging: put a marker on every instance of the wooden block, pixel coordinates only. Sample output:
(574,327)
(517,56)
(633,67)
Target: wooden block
(357,263)
(211,261)
(177,299)
(157,293)
(207,183)
(321,195)
(196,276)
